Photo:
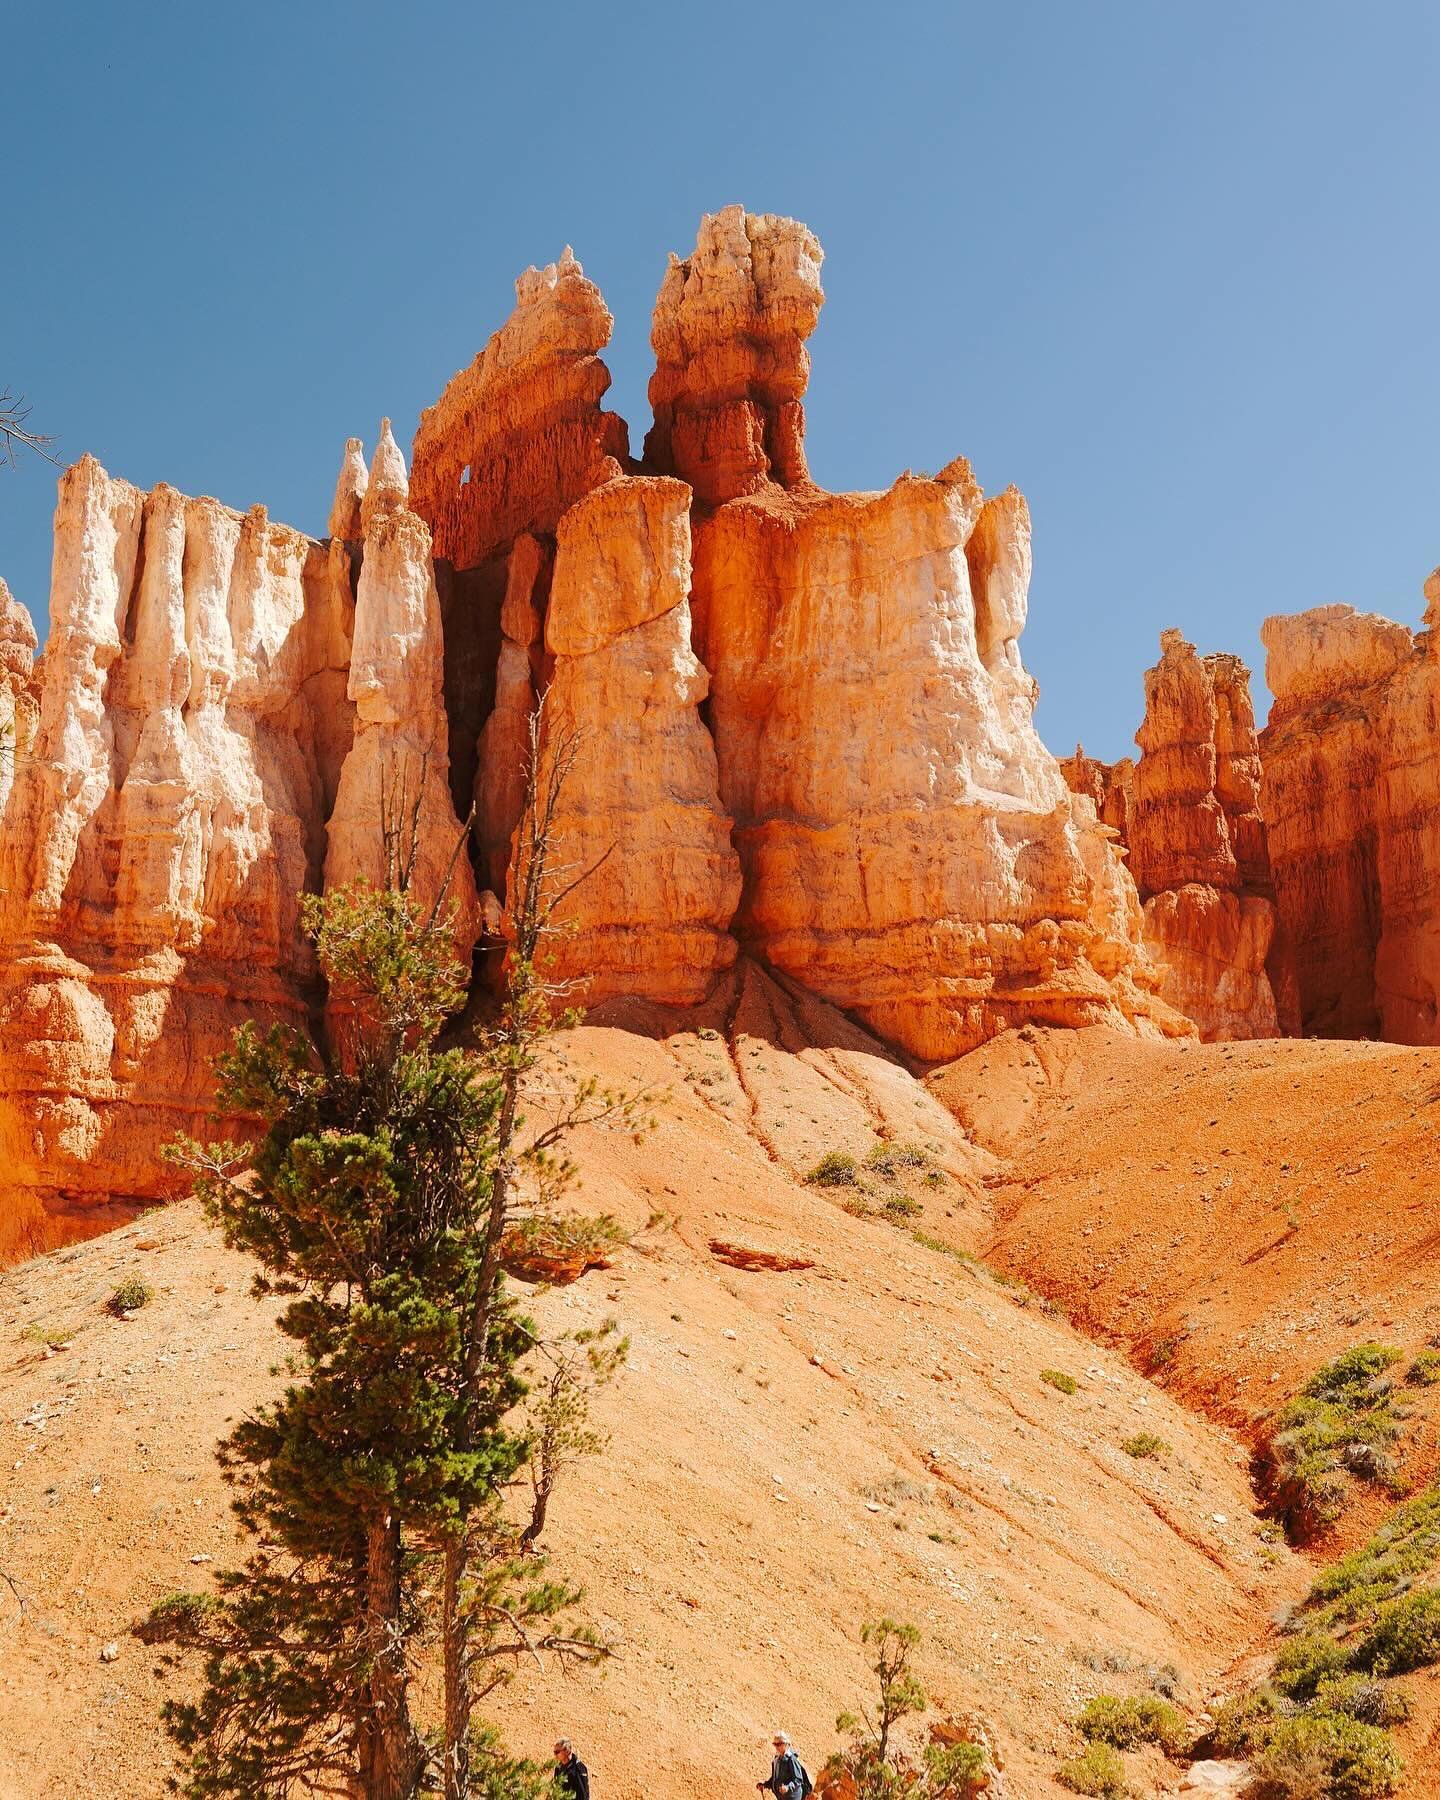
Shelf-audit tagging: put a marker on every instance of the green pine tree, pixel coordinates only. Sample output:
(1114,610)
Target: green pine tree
(377,1195)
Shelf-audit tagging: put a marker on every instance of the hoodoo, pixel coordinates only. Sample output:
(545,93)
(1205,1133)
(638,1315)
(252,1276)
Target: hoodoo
(807,730)
(1189,815)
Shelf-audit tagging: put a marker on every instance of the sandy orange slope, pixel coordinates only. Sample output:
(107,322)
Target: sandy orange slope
(792,1452)
(1236,1213)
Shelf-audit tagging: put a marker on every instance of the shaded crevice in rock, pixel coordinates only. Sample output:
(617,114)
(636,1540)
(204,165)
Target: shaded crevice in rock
(470,603)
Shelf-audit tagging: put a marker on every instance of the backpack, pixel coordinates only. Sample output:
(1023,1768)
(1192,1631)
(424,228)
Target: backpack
(807,1786)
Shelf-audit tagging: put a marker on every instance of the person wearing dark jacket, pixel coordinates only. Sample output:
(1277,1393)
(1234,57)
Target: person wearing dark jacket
(571,1777)
(787,1776)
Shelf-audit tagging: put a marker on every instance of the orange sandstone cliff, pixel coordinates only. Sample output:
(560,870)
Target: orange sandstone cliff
(805,728)
(1351,797)
(160,827)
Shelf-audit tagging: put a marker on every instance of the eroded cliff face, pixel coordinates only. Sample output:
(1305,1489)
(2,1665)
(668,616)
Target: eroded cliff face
(1351,797)
(393,820)
(161,825)
(1189,814)
(641,806)
(909,848)
(804,726)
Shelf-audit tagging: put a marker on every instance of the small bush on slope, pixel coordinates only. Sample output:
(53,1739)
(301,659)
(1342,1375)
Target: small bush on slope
(1425,1370)
(1097,1772)
(1326,1756)
(1341,1426)
(1126,1724)
(132,1293)
(871,1766)
(1249,1721)
(1405,1636)
(1321,1718)
(1144,1446)
(836,1168)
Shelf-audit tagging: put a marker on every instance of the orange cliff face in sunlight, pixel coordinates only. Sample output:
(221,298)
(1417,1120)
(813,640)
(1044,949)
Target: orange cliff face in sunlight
(909,847)
(1351,796)
(159,830)
(806,731)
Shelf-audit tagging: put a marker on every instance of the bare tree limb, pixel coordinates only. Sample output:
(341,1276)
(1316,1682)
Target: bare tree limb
(15,433)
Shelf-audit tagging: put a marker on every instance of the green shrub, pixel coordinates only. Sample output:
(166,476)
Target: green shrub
(54,1337)
(1425,1370)
(836,1168)
(1144,1445)
(1356,1586)
(900,1206)
(1325,1756)
(1404,1636)
(1305,1662)
(132,1293)
(889,1159)
(1057,1378)
(1342,1424)
(1249,1721)
(1126,1724)
(1372,1702)
(1097,1772)
(1352,1373)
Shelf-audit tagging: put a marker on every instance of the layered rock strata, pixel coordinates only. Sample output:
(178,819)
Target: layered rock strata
(160,830)
(519,436)
(731,366)
(1351,798)
(19,689)
(1109,787)
(909,848)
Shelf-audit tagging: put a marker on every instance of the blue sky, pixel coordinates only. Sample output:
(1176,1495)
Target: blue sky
(1174,269)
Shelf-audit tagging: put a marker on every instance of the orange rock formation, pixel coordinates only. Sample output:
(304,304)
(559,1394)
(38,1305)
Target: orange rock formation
(1351,796)
(158,834)
(817,741)
(1189,812)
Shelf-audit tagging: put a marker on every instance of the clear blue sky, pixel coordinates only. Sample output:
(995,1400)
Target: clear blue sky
(1174,269)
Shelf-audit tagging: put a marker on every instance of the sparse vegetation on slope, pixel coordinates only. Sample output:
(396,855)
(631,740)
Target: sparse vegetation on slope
(132,1293)
(1097,1772)
(1323,1714)
(1127,1723)
(1341,1428)
(951,1766)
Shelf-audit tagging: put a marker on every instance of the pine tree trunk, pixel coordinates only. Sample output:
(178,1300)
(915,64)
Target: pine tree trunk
(392,1750)
(458,1698)
(455,1626)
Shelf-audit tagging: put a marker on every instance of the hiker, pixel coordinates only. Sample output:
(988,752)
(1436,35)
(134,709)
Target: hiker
(571,1776)
(789,1778)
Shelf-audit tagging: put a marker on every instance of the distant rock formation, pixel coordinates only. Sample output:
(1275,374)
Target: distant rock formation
(1351,797)
(1189,812)
(1109,787)
(806,728)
